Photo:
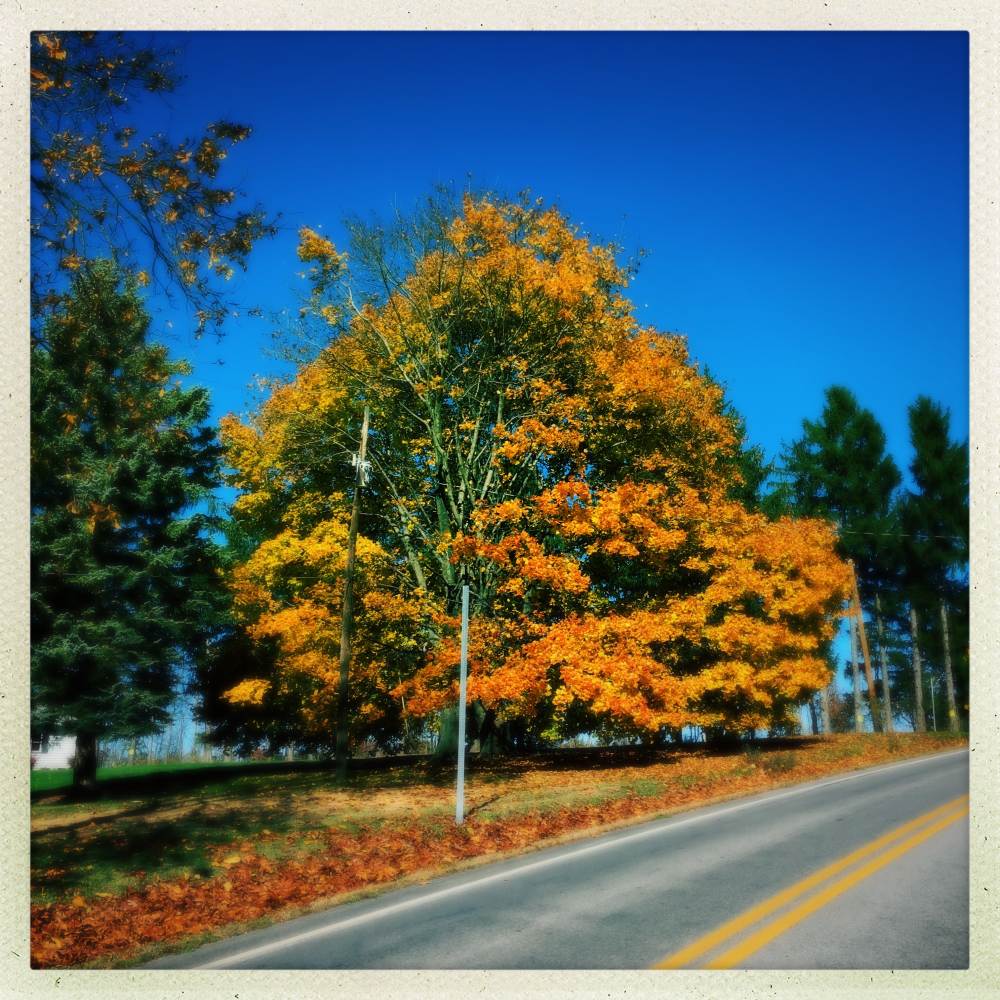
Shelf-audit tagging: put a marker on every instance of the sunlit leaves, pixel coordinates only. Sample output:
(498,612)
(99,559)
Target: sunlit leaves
(99,189)
(576,468)
(290,590)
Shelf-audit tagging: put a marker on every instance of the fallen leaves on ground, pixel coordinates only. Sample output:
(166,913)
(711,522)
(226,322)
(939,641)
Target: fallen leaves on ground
(249,886)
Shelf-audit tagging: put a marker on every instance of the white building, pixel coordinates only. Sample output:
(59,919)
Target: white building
(52,752)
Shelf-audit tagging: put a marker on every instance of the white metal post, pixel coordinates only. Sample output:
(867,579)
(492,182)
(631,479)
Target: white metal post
(463,670)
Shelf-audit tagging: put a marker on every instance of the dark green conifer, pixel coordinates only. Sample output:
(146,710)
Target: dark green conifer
(935,519)
(124,580)
(839,469)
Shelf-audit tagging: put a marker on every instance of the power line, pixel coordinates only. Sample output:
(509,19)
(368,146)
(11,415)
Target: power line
(901,534)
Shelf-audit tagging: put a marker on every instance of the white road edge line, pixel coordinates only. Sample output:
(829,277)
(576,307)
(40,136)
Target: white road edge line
(666,826)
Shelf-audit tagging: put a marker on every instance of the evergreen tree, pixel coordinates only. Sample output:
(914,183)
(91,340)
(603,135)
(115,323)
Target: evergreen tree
(124,587)
(935,518)
(839,469)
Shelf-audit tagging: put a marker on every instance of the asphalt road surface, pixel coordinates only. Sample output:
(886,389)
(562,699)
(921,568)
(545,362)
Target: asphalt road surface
(865,870)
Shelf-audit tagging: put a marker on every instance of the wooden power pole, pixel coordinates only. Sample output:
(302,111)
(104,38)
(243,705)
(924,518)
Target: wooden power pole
(949,676)
(347,615)
(872,697)
(884,663)
(858,724)
(919,719)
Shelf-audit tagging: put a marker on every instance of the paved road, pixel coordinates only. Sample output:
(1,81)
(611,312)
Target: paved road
(867,870)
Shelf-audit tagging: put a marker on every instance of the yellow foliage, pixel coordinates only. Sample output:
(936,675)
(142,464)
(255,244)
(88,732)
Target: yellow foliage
(248,692)
(766,599)
(313,247)
(532,432)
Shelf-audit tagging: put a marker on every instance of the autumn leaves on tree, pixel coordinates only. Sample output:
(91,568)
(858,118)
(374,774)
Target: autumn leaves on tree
(100,188)
(531,439)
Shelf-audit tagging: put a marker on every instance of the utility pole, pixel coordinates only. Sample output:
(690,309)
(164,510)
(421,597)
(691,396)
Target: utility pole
(920,720)
(347,616)
(872,697)
(858,724)
(884,662)
(463,670)
(949,677)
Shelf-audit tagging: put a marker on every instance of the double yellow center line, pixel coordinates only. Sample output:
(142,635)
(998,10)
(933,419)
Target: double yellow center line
(926,826)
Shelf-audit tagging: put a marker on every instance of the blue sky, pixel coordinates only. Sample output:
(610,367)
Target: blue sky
(802,196)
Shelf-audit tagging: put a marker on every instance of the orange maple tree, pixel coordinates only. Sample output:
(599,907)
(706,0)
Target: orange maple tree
(531,439)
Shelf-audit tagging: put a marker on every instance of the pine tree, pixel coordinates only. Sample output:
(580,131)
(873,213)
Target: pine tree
(124,586)
(839,469)
(935,519)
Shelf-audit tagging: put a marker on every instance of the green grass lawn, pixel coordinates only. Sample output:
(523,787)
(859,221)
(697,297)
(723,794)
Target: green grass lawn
(62,778)
(149,824)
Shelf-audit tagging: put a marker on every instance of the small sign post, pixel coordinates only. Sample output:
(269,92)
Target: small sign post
(463,670)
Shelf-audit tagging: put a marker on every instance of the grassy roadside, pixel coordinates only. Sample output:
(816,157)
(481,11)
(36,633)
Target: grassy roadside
(119,878)
(53,781)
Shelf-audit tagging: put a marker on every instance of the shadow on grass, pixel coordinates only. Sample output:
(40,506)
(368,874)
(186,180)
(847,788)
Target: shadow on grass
(169,781)
(610,758)
(397,771)
(174,823)
(122,852)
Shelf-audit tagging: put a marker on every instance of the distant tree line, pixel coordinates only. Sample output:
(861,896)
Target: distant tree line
(909,545)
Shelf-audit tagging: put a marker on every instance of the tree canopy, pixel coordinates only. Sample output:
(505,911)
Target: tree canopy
(935,515)
(532,439)
(839,469)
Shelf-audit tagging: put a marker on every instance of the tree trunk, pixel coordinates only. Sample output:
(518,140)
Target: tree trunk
(873,705)
(85,763)
(487,732)
(949,678)
(858,721)
(825,706)
(919,719)
(813,717)
(447,742)
(884,663)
